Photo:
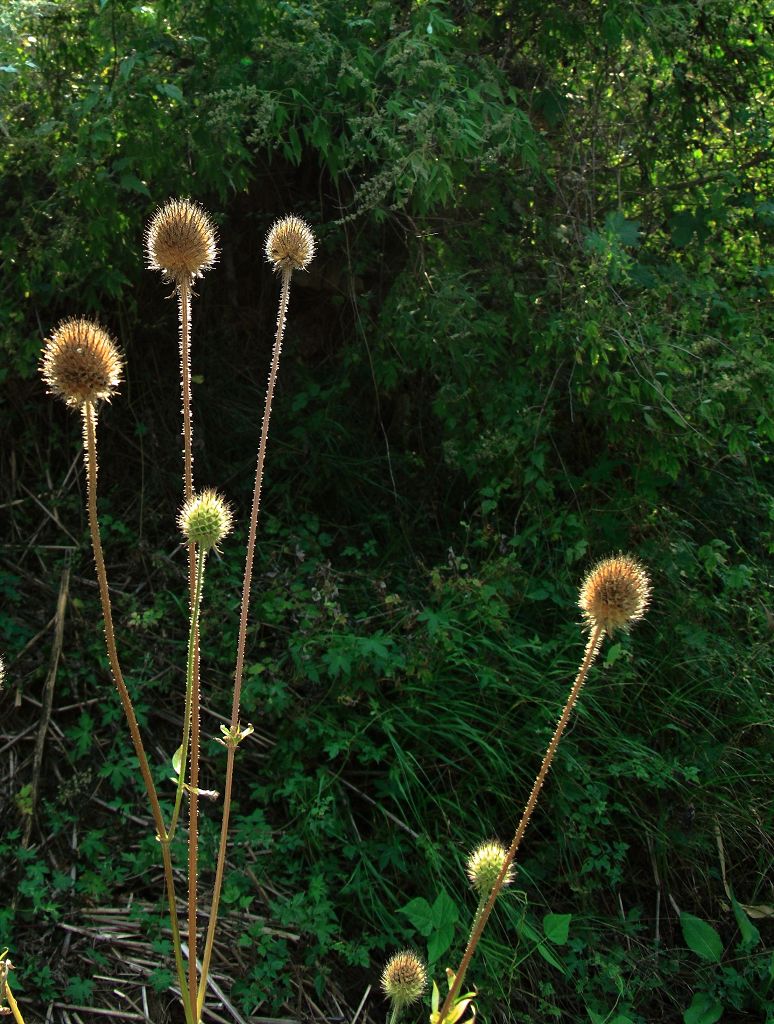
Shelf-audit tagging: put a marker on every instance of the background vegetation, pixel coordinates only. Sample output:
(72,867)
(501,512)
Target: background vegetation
(535,334)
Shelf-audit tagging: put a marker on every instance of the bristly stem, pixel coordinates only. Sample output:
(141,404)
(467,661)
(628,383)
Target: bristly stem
(90,455)
(592,649)
(189,677)
(184,307)
(249,558)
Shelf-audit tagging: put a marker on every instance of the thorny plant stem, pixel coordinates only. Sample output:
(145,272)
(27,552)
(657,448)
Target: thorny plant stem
(188,691)
(184,306)
(90,453)
(249,557)
(592,649)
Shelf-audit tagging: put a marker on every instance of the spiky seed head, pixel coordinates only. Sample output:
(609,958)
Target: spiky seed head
(290,244)
(181,241)
(615,594)
(205,519)
(80,362)
(484,866)
(404,979)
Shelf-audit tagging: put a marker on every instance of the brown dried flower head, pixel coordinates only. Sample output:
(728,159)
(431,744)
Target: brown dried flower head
(81,363)
(404,979)
(290,244)
(181,241)
(205,519)
(484,866)
(615,594)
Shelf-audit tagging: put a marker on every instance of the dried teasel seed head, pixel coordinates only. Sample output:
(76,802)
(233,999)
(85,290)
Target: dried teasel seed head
(290,244)
(615,594)
(180,241)
(205,519)
(484,866)
(404,979)
(80,362)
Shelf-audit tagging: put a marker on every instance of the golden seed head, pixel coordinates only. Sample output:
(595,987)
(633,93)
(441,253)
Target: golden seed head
(290,244)
(615,594)
(484,866)
(181,241)
(205,519)
(404,979)
(81,363)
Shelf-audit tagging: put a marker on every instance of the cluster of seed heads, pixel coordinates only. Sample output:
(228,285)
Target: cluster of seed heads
(404,979)
(485,864)
(181,242)
(615,594)
(205,519)
(81,363)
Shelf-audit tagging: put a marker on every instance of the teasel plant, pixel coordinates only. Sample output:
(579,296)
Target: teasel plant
(82,365)
(613,596)
(180,241)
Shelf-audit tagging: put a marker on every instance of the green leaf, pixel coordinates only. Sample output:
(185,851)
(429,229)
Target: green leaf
(557,927)
(176,759)
(704,1009)
(420,913)
(701,937)
(750,934)
(133,184)
(444,912)
(439,942)
(172,91)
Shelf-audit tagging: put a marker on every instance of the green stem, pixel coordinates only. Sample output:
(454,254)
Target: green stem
(395,1014)
(189,676)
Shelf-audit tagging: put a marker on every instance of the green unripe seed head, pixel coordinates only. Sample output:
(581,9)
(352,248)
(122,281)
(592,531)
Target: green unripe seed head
(205,519)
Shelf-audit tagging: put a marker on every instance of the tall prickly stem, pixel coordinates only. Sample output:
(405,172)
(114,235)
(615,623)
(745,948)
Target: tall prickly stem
(181,243)
(614,595)
(289,246)
(82,365)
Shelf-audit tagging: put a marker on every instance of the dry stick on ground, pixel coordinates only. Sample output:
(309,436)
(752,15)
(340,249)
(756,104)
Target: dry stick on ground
(48,698)
(592,649)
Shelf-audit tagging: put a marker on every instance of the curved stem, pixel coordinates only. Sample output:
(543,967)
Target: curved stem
(189,678)
(90,456)
(592,649)
(238,671)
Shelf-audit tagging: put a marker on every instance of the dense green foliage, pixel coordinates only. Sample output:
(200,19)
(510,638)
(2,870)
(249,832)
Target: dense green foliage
(535,333)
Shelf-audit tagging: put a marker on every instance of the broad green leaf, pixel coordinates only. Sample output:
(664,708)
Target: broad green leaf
(420,913)
(557,927)
(439,942)
(701,937)
(444,911)
(704,1009)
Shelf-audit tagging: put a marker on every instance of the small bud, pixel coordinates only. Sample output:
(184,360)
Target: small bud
(615,594)
(484,866)
(205,519)
(290,244)
(81,363)
(180,241)
(404,979)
